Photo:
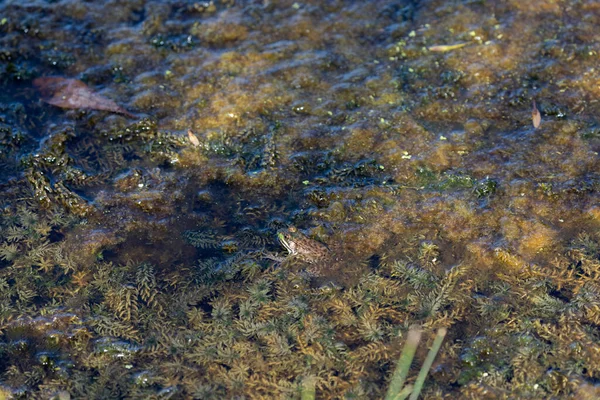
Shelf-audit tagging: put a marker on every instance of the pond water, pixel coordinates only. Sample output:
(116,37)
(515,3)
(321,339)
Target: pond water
(395,138)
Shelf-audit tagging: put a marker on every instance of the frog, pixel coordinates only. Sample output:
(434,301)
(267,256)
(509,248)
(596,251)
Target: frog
(302,247)
(325,266)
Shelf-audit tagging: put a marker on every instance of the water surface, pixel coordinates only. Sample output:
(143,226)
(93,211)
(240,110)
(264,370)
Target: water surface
(134,264)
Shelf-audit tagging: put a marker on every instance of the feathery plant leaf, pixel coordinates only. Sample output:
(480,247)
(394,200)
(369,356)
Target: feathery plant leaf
(202,239)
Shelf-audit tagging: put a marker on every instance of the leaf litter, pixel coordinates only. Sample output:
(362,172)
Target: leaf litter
(73,93)
(536,117)
(193,138)
(445,48)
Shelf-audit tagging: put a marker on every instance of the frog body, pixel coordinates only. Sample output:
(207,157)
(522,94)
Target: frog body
(324,265)
(302,247)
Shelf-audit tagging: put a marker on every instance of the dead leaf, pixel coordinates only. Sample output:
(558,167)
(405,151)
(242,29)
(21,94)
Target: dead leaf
(536,117)
(445,48)
(193,139)
(72,93)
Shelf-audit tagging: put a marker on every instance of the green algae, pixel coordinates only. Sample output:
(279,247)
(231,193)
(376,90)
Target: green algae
(132,263)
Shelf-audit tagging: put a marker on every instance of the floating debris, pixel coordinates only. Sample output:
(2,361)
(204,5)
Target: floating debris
(536,117)
(445,48)
(73,93)
(193,138)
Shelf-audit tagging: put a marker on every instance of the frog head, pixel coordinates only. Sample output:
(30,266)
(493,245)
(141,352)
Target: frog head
(287,239)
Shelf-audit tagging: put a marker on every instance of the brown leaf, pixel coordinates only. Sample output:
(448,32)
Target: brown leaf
(193,138)
(536,117)
(445,48)
(72,93)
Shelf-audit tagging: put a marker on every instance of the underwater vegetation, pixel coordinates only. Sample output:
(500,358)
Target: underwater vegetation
(140,258)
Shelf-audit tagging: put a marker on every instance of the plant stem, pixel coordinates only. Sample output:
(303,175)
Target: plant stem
(437,343)
(401,372)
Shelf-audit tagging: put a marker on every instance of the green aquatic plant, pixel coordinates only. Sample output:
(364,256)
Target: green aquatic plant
(202,239)
(485,187)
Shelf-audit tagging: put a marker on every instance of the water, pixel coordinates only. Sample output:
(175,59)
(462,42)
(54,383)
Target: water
(419,165)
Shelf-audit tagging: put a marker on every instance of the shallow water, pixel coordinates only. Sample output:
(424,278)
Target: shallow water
(134,263)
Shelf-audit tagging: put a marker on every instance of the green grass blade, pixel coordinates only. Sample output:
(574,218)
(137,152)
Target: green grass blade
(437,343)
(309,390)
(404,393)
(401,372)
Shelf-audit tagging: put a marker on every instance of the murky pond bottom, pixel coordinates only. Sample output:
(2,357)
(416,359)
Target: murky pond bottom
(390,145)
